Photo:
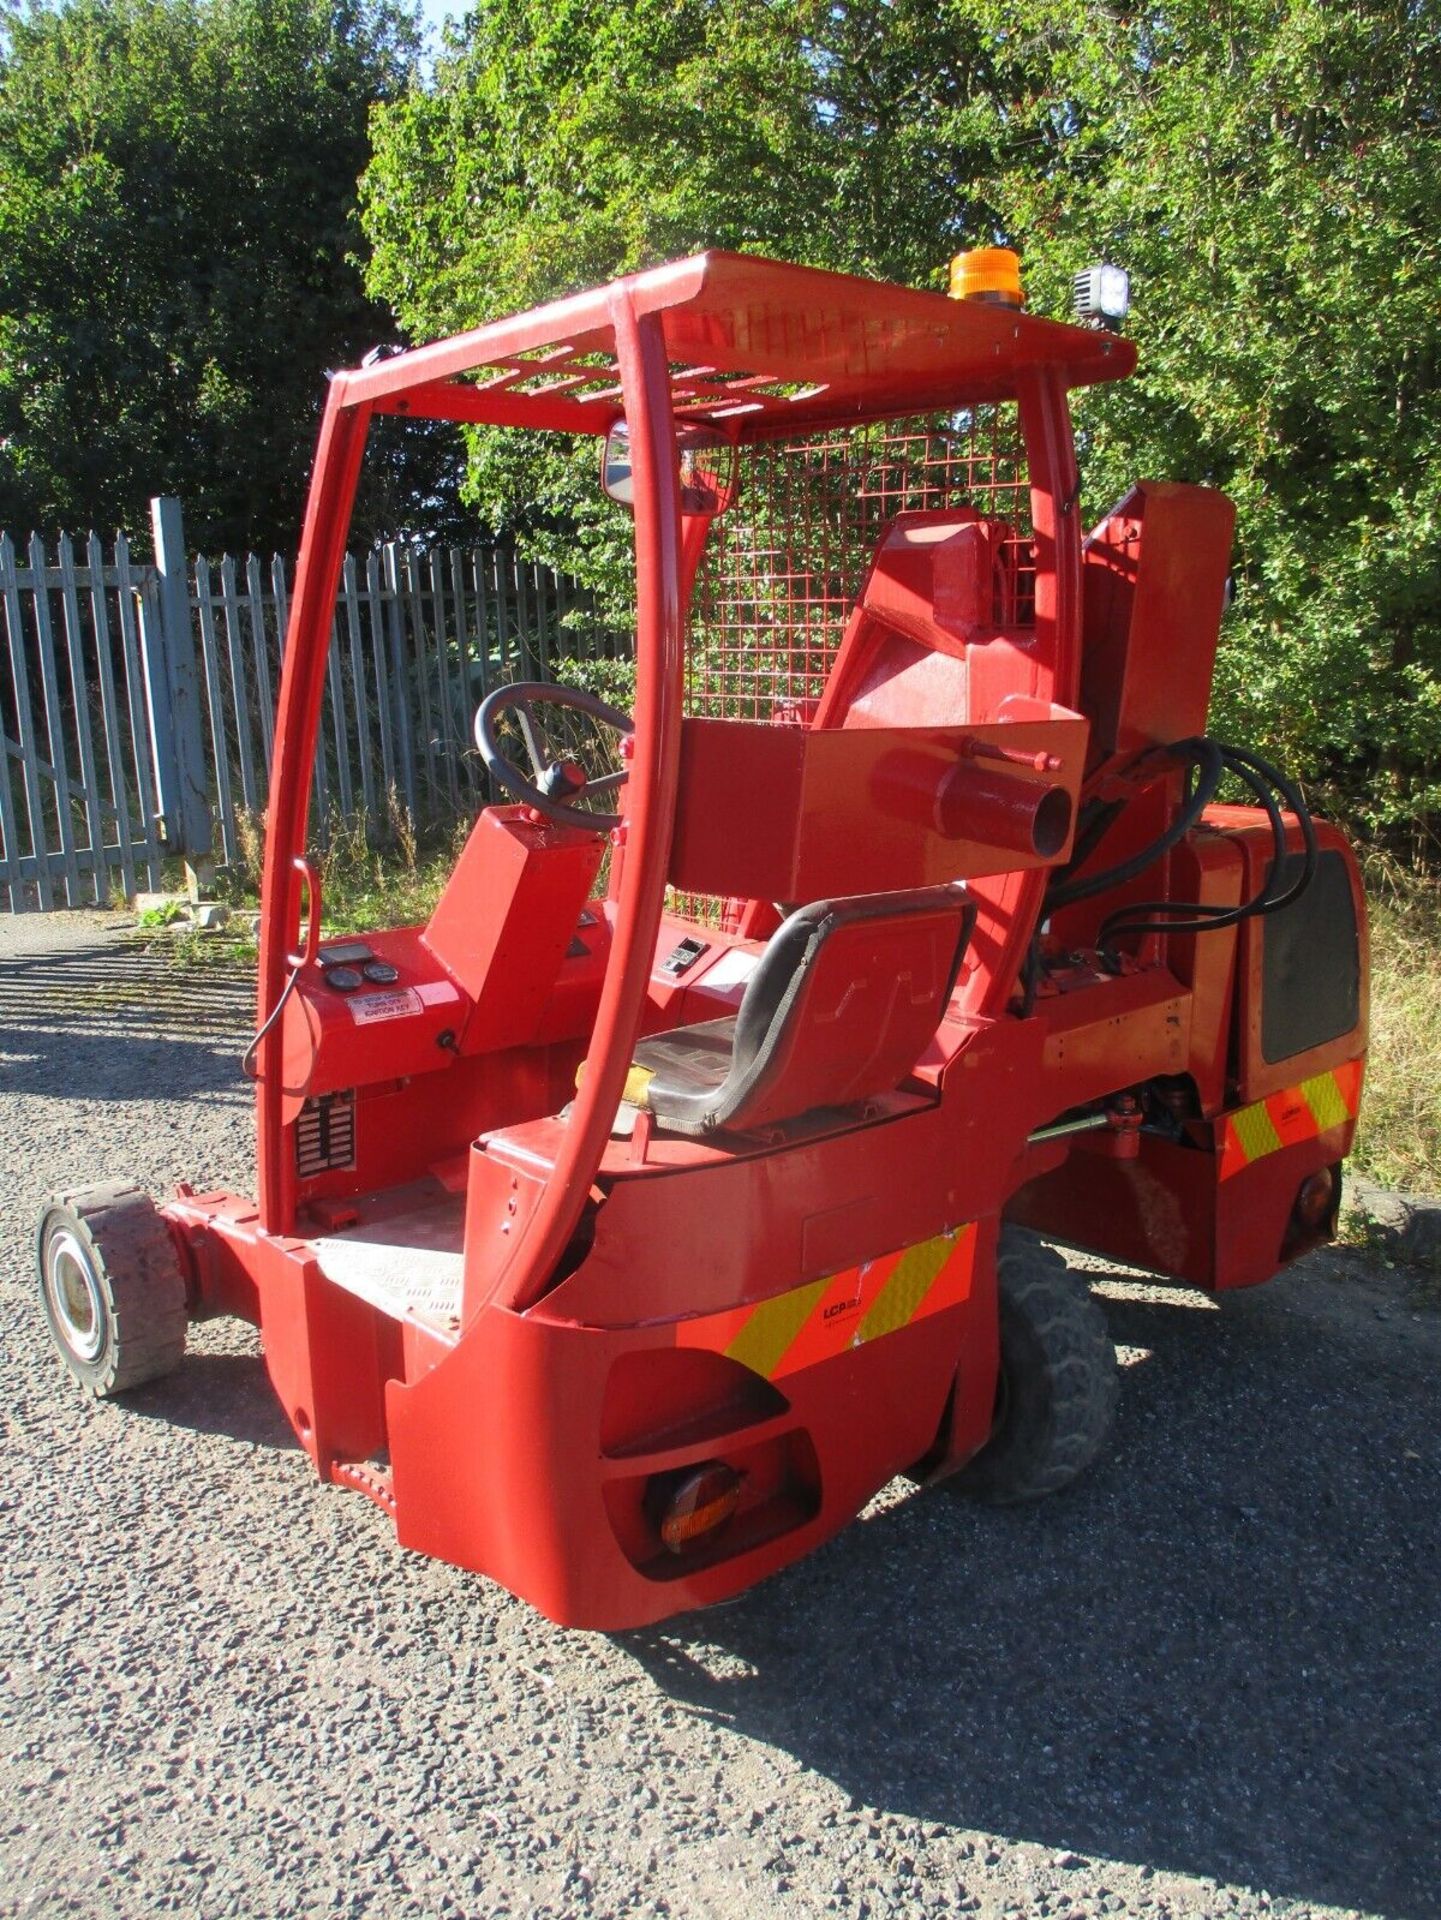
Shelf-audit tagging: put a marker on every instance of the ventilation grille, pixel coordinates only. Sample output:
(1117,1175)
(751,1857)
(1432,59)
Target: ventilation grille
(325,1134)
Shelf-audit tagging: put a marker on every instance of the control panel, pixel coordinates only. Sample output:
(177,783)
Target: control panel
(683,956)
(381,1008)
(348,965)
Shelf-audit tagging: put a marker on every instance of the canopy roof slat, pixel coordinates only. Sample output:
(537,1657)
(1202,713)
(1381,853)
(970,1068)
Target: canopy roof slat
(757,348)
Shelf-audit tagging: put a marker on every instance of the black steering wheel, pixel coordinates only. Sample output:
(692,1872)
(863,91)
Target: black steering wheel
(556,785)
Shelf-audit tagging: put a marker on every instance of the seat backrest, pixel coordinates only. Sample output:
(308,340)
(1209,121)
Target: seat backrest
(846,997)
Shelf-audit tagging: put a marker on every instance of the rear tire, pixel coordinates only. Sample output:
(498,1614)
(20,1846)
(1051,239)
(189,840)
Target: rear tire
(112,1287)
(1056,1392)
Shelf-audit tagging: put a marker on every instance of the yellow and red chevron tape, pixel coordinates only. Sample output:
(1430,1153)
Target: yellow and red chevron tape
(1324,1101)
(825,1317)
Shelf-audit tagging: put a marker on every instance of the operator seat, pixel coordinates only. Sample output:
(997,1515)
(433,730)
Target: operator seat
(843,1002)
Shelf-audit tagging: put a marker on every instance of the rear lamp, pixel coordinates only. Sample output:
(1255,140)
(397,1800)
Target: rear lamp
(1314,1201)
(991,274)
(697,1505)
(1103,296)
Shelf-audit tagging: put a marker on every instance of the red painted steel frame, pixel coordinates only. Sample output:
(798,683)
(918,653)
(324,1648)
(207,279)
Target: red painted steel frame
(1055,495)
(651,794)
(302,680)
(989,349)
(760,348)
(634,1307)
(644,373)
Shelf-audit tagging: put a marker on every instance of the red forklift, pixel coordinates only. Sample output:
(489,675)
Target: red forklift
(689,1174)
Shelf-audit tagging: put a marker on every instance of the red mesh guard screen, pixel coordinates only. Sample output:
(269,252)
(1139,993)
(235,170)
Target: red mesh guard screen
(783,567)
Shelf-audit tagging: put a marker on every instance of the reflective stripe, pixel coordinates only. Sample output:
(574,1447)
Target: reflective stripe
(1256,1131)
(910,1281)
(825,1317)
(1291,1116)
(767,1335)
(1317,1106)
(1326,1101)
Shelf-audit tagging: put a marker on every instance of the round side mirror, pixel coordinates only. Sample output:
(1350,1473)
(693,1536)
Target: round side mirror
(617,478)
(707,469)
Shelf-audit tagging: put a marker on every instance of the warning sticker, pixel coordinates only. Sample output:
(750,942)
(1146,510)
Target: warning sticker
(394,1004)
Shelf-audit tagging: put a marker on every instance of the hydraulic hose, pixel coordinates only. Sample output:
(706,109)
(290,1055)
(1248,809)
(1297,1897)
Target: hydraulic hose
(1265,782)
(1208,759)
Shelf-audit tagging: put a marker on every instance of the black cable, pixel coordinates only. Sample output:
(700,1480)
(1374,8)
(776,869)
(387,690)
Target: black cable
(1031,969)
(1206,915)
(247,1059)
(1264,781)
(1206,757)
(1292,795)
(1097,819)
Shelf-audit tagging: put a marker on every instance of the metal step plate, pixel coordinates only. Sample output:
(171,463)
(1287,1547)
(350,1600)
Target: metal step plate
(408,1264)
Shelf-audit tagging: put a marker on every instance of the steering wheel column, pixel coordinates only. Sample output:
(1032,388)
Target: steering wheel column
(555,785)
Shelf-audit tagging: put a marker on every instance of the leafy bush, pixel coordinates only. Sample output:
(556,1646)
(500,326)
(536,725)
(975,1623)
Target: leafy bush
(179,256)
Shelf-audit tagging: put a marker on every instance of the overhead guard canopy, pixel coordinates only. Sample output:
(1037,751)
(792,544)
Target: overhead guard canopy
(758,349)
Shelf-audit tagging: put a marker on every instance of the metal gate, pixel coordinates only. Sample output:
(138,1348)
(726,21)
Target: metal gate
(79,808)
(137,700)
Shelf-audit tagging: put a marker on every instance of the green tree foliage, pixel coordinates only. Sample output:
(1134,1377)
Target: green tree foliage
(178,253)
(565,141)
(1267,169)
(1270,172)
(562,143)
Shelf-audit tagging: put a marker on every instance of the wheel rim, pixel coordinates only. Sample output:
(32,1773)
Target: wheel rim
(72,1288)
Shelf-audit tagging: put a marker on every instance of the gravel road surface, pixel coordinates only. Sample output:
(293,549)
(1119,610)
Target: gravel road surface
(1206,1681)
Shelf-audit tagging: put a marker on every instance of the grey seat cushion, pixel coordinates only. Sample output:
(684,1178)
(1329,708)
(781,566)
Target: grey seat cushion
(732,1073)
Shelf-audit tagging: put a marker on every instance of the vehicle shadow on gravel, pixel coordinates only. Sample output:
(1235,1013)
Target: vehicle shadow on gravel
(125,982)
(160,1066)
(225,1393)
(1219,1654)
(119,1021)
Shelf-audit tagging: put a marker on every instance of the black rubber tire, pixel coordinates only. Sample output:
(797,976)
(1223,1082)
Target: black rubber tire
(1058,1383)
(112,1287)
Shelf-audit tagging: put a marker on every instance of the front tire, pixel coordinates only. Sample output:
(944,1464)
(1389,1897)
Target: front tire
(1056,1392)
(112,1287)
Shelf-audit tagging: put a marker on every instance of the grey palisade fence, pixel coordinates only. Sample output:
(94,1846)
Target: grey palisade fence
(137,700)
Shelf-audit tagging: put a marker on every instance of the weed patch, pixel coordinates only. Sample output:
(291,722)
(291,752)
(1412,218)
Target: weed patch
(1399,1141)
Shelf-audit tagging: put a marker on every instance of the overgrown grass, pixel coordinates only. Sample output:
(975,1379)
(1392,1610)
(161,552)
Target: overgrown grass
(1399,1143)
(362,886)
